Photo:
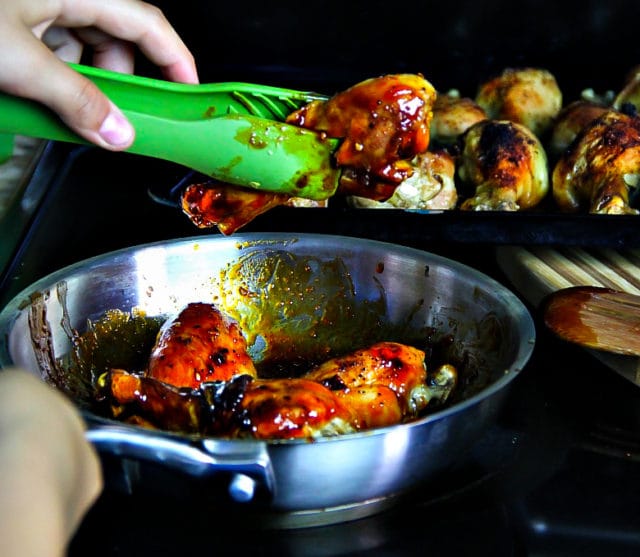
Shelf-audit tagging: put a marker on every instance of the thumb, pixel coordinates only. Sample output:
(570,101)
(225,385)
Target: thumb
(85,109)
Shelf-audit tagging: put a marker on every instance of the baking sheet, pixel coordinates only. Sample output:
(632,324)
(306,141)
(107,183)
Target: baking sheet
(488,227)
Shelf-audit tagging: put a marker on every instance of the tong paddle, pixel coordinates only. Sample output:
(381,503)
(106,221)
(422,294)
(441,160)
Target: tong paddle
(233,132)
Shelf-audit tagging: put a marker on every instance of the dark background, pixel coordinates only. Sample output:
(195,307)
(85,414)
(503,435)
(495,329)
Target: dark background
(455,44)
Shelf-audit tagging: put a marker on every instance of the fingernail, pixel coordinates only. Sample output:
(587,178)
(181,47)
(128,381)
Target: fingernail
(116,130)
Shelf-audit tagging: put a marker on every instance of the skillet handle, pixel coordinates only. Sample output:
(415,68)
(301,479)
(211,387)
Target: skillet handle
(247,464)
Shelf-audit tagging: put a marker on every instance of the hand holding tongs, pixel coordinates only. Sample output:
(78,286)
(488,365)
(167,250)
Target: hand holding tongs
(233,132)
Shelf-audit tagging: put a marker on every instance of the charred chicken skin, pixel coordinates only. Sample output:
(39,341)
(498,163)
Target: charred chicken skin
(506,166)
(571,120)
(382,385)
(527,96)
(600,166)
(200,344)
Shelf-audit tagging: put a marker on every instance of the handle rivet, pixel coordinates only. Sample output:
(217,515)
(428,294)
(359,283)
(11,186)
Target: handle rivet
(242,488)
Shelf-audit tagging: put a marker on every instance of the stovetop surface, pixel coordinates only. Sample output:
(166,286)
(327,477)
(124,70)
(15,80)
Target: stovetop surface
(558,474)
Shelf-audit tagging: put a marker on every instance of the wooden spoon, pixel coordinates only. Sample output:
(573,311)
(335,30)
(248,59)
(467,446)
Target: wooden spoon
(595,317)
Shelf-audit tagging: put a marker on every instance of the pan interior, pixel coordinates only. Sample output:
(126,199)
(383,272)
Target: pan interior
(298,301)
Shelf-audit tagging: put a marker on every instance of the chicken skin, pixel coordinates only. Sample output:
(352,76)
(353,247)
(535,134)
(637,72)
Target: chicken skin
(389,365)
(527,96)
(597,171)
(290,409)
(383,122)
(506,166)
(139,400)
(571,120)
(200,344)
(382,385)
(229,208)
(452,116)
(242,407)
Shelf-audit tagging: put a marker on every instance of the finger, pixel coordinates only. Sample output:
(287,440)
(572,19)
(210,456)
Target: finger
(66,46)
(108,52)
(140,23)
(117,56)
(36,73)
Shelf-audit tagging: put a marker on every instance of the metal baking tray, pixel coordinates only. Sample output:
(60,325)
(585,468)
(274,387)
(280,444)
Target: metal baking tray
(540,227)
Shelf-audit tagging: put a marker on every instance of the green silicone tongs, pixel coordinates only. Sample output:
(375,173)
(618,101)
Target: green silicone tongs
(233,132)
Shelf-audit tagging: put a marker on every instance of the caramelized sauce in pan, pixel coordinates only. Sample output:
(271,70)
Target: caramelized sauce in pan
(295,311)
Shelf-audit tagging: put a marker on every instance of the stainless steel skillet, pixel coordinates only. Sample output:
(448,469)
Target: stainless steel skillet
(379,289)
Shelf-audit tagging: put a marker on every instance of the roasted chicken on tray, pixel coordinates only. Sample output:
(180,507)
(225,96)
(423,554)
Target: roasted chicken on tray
(430,187)
(571,120)
(600,166)
(452,116)
(527,96)
(191,386)
(405,146)
(506,166)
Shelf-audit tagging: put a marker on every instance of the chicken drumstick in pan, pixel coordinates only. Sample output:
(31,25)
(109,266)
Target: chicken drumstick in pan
(200,345)
(381,385)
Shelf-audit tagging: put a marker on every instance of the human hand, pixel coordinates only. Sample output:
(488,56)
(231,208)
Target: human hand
(49,473)
(38,36)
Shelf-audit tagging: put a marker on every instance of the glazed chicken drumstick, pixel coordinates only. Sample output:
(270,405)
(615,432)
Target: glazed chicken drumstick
(382,385)
(200,344)
(383,123)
